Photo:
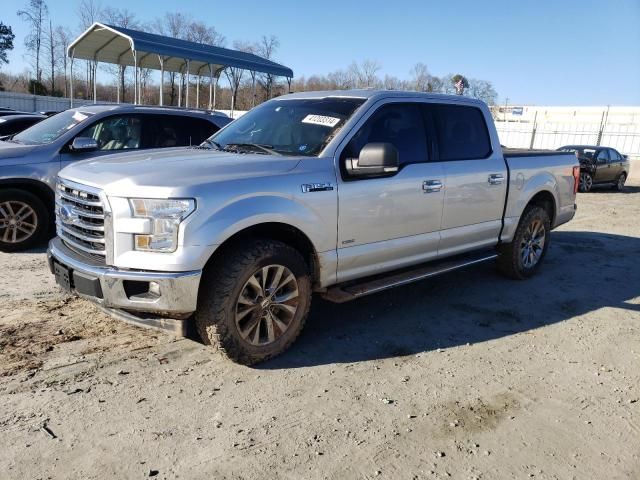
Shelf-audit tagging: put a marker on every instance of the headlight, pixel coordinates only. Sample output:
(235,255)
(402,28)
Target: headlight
(166,216)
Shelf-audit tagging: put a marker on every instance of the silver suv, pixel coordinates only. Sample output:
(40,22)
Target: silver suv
(30,160)
(340,193)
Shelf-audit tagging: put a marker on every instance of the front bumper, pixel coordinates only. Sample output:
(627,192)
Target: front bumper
(126,294)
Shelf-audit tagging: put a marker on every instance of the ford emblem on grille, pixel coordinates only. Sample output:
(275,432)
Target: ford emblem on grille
(69,215)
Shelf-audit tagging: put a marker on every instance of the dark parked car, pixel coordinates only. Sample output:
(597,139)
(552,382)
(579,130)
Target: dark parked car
(31,159)
(12,124)
(600,166)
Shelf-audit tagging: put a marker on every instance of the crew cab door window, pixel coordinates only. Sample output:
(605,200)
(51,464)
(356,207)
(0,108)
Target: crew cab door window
(399,124)
(462,132)
(614,156)
(119,132)
(162,131)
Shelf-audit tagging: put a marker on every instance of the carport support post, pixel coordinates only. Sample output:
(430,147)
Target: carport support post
(186,99)
(135,78)
(210,86)
(161,60)
(253,88)
(95,85)
(215,90)
(71,80)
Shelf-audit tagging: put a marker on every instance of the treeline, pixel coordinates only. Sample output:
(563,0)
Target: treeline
(49,70)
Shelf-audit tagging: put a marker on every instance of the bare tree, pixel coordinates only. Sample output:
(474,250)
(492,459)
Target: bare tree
(89,11)
(266,48)
(369,73)
(53,60)
(63,39)
(35,14)
(420,77)
(174,25)
(126,19)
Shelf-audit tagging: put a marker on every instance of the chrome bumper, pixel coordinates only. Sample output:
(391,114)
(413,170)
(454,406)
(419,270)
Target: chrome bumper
(175,293)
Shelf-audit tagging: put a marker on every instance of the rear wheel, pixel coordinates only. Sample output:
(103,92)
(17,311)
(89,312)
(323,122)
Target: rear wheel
(24,220)
(621,181)
(522,257)
(586,182)
(253,304)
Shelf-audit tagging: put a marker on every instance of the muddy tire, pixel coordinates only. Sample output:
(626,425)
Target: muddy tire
(619,186)
(253,302)
(24,220)
(521,258)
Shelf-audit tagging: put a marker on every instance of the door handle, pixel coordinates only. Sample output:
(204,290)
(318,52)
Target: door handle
(496,179)
(430,186)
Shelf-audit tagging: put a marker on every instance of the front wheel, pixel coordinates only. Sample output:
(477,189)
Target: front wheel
(522,257)
(621,181)
(586,182)
(254,301)
(24,220)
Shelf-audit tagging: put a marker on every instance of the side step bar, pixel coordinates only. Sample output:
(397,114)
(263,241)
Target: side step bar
(352,290)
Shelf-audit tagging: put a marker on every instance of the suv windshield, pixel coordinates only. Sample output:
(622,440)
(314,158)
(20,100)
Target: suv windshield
(287,127)
(51,128)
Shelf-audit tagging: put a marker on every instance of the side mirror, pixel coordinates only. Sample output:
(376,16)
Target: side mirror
(375,159)
(84,144)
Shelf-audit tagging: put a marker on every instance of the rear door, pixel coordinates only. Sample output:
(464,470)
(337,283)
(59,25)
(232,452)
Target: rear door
(476,178)
(616,162)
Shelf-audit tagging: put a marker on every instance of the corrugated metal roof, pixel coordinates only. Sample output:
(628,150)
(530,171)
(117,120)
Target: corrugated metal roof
(110,44)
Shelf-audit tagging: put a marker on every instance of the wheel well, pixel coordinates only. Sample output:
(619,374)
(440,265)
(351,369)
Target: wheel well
(545,200)
(275,231)
(37,188)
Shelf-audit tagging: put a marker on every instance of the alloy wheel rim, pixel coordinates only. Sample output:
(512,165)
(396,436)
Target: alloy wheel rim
(18,221)
(585,182)
(267,305)
(532,244)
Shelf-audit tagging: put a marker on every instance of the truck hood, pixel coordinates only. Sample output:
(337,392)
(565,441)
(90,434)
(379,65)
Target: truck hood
(10,150)
(172,171)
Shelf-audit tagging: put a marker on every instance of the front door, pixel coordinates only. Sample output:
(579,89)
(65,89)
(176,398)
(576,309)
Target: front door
(113,134)
(394,221)
(476,179)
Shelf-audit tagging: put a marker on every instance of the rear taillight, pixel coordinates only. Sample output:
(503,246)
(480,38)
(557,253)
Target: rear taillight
(576,179)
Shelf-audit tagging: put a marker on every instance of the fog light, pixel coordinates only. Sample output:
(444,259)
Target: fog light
(154,288)
(143,242)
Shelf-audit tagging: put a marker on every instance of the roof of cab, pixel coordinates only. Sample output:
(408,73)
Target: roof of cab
(379,94)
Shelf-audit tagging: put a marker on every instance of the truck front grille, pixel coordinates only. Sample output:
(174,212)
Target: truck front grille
(80,219)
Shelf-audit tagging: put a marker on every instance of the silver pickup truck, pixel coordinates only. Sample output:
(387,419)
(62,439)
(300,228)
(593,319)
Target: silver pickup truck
(342,193)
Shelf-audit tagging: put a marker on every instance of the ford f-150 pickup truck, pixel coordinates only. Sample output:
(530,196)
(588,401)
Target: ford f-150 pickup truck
(343,193)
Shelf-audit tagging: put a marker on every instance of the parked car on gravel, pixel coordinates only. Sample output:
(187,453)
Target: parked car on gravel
(600,166)
(12,124)
(343,193)
(30,160)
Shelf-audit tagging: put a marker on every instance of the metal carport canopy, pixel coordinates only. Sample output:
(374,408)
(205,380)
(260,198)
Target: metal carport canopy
(109,44)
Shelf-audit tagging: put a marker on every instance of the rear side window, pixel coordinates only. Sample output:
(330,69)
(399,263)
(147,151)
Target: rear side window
(462,132)
(614,156)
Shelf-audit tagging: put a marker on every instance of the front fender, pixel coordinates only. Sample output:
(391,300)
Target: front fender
(314,220)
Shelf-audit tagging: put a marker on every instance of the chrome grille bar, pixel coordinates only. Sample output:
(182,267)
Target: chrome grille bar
(80,219)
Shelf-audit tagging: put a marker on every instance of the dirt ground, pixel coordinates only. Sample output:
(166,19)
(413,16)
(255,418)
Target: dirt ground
(464,376)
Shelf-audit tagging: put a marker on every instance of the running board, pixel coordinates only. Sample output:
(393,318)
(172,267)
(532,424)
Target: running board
(352,290)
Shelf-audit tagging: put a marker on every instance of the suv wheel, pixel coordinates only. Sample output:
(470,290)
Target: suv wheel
(24,220)
(620,183)
(253,304)
(586,182)
(522,257)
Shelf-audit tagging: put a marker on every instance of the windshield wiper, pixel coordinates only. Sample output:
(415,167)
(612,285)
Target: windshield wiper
(268,149)
(213,144)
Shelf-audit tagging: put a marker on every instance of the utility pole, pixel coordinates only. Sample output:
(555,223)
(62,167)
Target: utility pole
(506,102)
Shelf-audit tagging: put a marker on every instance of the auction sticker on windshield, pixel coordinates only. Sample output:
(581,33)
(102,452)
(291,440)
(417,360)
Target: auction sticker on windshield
(323,120)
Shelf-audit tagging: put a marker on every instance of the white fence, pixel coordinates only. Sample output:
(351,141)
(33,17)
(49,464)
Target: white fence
(550,135)
(38,103)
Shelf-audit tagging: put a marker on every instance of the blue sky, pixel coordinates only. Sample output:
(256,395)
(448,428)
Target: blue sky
(563,52)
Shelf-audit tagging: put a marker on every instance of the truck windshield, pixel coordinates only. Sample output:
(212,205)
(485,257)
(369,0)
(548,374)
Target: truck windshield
(51,128)
(286,127)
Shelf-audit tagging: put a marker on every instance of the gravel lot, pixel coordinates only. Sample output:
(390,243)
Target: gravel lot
(467,375)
